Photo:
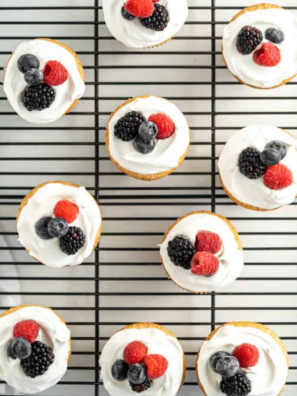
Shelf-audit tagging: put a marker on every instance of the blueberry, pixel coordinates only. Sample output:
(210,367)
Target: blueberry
(10,352)
(227,366)
(137,374)
(127,15)
(144,146)
(276,144)
(57,227)
(274,35)
(41,228)
(119,370)
(27,62)
(215,358)
(33,77)
(270,156)
(148,130)
(20,348)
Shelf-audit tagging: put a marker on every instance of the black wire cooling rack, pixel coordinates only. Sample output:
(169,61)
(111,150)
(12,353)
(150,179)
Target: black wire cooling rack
(123,282)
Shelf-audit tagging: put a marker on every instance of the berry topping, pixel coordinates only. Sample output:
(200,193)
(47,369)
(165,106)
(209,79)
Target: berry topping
(159,20)
(58,227)
(239,385)
(140,8)
(33,77)
(274,35)
(20,348)
(27,329)
(207,241)
(227,366)
(270,156)
(215,358)
(165,125)
(27,62)
(278,177)
(204,264)
(119,370)
(73,241)
(247,355)
(127,127)
(137,374)
(142,387)
(279,146)
(55,73)
(248,40)
(39,361)
(9,351)
(135,352)
(144,146)
(156,366)
(148,130)
(126,15)
(38,97)
(181,251)
(41,228)
(268,55)
(250,163)
(66,210)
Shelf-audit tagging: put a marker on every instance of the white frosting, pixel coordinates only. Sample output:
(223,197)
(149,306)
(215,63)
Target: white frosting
(243,66)
(53,333)
(42,204)
(167,152)
(133,34)
(66,94)
(230,257)
(268,377)
(157,342)
(254,192)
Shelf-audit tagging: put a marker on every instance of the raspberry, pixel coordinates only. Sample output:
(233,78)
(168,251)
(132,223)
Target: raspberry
(207,241)
(166,127)
(27,329)
(155,1)
(204,264)
(140,8)
(135,352)
(278,177)
(247,354)
(67,210)
(54,73)
(268,55)
(156,366)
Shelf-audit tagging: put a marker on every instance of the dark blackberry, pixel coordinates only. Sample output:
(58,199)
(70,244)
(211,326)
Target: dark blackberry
(142,387)
(248,40)
(159,20)
(127,127)
(72,241)
(181,251)
(38,97)
(250,163)
(239,385)
(39,361)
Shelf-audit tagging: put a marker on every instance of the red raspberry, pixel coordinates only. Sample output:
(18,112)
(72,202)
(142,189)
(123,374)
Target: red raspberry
(204,264)
(247,354)
(135,352)
(27,329)
(207,241)
(268,55)
(140,8)
(277,177)
(54,73)
(67,210)
(156,366)
(166,127)
(155,1)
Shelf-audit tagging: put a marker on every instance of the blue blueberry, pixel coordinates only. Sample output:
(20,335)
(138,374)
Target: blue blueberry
(215,358)
(144,146)
(20,348)
(57,227)
(127,15)
(137,374)
(41,228)
(279,146)
(9,351)
(227,366)
(270,156)
(27,62)
(148,130)
(274,35)
(119,370)
(33,77)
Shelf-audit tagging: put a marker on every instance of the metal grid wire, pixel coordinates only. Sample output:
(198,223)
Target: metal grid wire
(123,281)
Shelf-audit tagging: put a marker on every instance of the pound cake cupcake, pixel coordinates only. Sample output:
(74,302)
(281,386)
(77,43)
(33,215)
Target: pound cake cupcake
(35,348)
(144,23)
(147,137)
(43,79)
(143,358)
(240,359)
(258,168)
(201,252)
(59,224)
(259,46)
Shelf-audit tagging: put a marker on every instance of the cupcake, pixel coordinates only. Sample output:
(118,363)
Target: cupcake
(259,46)
(258,168)
(43,79)
(143,357)
(201,252)
(59,224)
(242,358)
(144,23)
(30,334)
(147,137)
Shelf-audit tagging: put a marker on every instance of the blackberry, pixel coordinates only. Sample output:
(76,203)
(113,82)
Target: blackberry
(248,40)
(127,127)
(250,163)
(159,20)
(142,387)
(181,251)
(38,97)
(39,361)
(72,241)
(239,385)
